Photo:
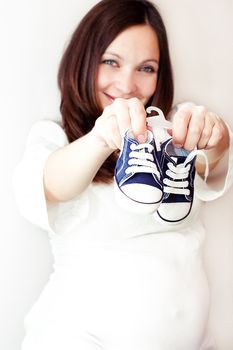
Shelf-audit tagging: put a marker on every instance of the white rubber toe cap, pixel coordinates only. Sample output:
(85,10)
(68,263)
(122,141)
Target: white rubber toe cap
(142,193)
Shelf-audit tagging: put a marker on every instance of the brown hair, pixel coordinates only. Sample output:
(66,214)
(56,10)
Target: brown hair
(78,68)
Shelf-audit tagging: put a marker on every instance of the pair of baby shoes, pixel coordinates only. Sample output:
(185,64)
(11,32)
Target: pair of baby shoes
(154,178)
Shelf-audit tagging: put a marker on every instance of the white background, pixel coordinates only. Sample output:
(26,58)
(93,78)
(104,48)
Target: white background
(33,34)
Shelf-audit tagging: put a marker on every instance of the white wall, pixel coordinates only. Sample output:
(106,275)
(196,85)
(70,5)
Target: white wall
(32,37)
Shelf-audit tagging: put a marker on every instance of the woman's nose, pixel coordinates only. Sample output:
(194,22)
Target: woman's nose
(126,83)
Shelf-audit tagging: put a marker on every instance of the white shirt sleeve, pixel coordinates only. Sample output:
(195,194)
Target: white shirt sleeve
(45,137)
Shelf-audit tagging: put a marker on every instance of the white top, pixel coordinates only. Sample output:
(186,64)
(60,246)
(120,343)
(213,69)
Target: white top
(115,268)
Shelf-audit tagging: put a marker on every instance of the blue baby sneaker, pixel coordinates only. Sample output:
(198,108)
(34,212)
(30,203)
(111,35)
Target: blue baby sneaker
(178,169)
(138,185)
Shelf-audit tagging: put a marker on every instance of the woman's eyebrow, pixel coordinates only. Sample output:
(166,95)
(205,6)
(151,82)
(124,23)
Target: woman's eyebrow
(154,60)
(112,54)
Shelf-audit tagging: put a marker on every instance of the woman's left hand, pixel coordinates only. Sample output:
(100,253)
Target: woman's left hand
(196,127)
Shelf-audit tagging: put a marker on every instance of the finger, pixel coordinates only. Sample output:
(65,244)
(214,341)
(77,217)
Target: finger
(112,133)
(180,126)
(195,128)
(138,119)
(108,129)
(120,109)
(216,135)
(207,130)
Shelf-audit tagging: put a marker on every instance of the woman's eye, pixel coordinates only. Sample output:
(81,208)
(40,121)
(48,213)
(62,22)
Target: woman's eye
(110,62)
(147,69)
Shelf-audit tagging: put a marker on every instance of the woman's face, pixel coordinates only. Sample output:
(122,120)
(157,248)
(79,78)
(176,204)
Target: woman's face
(129,66)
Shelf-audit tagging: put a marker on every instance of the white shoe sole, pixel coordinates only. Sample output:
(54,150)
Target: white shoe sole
(132,205)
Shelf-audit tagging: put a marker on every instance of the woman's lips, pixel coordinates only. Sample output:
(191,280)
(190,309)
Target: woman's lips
(111,98)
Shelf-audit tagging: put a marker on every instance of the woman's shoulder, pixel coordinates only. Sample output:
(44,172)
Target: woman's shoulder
(47,130)
(46,126)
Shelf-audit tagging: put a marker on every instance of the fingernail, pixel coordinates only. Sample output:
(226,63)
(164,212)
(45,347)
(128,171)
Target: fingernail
(142,138)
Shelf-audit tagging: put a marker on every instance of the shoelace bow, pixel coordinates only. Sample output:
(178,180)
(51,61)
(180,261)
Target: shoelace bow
(181,172)
(141,159)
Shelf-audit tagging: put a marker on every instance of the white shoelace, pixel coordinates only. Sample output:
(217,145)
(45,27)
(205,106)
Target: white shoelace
(181,172)
(158,122)
(141,160)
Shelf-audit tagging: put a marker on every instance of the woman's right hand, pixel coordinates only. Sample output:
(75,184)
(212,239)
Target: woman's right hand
(117,118)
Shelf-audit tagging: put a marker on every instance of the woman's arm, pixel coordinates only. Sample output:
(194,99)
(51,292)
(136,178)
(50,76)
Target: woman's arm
(69,170)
